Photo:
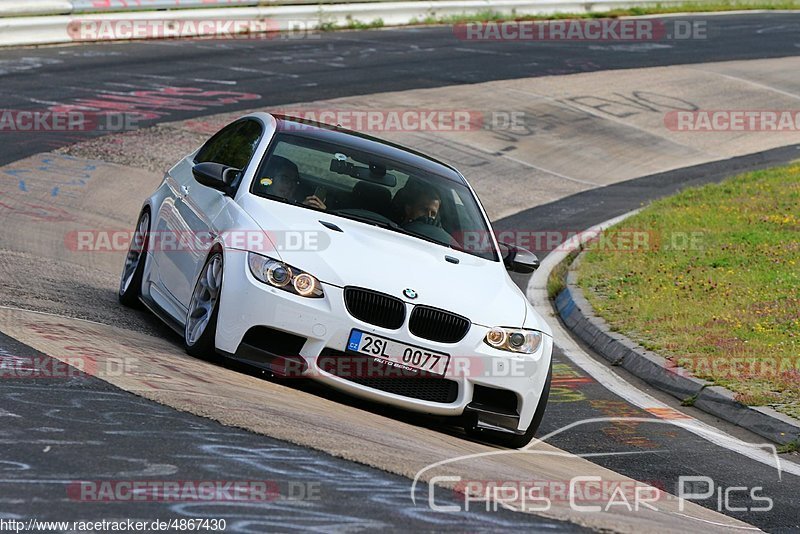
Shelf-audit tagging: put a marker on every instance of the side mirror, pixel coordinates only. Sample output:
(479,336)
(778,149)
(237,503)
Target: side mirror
(215,175)
(518,259)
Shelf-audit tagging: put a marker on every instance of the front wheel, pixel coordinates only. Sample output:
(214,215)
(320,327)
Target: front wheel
(517,441)
(201,320)
(130,283)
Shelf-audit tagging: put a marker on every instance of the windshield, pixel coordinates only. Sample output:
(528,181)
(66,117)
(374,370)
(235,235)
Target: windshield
(350,183)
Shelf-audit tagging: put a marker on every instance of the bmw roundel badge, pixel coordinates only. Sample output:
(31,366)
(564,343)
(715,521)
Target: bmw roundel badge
(410,293)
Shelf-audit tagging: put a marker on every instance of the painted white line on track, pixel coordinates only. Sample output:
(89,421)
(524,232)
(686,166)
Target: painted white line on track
(554,173)
(537,294)
(716,524)
(221,82)
(750,82)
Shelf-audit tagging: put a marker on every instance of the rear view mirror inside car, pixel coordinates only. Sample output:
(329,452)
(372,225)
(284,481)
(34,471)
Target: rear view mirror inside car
(375,173)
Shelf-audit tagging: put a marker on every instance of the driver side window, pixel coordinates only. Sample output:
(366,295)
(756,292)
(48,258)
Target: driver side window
(233,146)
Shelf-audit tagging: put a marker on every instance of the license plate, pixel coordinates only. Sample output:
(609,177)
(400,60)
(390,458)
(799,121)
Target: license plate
(397,354)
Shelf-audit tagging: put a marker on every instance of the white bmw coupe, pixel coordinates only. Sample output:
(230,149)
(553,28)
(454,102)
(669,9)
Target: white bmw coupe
(314,251)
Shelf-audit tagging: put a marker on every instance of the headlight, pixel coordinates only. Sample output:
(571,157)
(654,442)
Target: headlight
(283,276)
(514,339)
(305,284)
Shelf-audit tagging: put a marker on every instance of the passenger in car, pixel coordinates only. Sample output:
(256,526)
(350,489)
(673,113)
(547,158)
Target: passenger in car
(281,178)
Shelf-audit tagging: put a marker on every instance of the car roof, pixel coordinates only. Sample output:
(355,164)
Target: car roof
(341,136)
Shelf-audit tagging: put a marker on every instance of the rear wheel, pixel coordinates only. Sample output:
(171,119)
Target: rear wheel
(201,320)
(516,441)
(130,284)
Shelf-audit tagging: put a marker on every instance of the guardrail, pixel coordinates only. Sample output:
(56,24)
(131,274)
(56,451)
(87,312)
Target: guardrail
(100,6)
(21,8)
(52,25)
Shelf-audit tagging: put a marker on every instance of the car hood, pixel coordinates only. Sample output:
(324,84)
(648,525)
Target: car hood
(371,257)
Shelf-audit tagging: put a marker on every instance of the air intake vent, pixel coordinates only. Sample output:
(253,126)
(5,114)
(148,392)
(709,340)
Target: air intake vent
(375,308)
(427,388)
(438,325)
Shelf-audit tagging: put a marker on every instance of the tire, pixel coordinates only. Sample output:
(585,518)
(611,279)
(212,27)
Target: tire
(130,283)
(511,440)
(201,319)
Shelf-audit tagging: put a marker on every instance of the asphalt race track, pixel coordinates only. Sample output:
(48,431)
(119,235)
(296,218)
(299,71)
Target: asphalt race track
(284,71)
(86,429)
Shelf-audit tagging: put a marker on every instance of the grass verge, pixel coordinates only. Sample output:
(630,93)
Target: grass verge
(710,278)
(557,279)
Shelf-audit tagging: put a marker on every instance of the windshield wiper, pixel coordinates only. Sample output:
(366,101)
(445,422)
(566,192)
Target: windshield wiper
(391,225)
(279,198)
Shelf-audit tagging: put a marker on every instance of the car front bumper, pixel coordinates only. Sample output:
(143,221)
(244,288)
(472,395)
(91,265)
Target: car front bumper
(326,326)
